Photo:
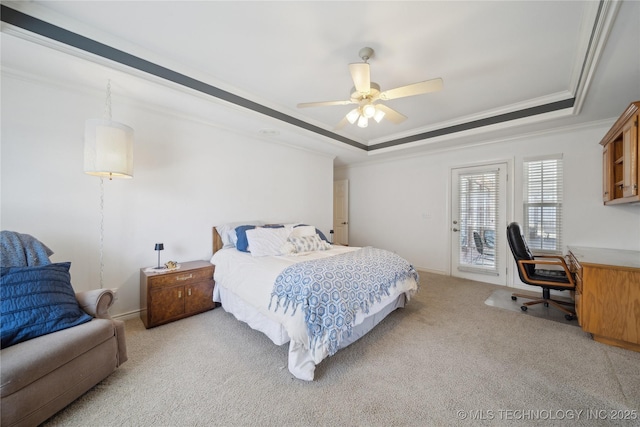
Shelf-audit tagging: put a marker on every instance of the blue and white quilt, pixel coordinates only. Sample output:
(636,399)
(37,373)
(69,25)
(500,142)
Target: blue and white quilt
(331,291)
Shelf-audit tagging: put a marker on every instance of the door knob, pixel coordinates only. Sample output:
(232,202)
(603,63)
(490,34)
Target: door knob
(455,229)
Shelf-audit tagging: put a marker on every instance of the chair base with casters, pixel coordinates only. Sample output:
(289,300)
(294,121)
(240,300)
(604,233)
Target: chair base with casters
(546,300)
(560,279)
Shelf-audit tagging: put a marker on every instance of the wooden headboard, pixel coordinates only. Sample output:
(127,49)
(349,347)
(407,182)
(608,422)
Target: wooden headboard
(217,241)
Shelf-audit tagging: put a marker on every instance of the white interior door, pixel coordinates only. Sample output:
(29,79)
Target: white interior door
(478,223)
(341,212)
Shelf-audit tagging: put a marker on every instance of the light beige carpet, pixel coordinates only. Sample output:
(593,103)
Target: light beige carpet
(446,359)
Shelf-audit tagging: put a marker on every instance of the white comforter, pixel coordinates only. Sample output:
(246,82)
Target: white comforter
(251,279)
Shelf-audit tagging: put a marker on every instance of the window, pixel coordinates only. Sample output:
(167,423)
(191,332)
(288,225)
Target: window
(543,203)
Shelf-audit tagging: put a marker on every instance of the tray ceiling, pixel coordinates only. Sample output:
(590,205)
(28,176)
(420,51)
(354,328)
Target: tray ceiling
(508,67)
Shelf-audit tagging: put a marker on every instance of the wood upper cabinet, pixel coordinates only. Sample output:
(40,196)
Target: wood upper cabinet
(620,170)
(165,297)
(630,157)
(607,177)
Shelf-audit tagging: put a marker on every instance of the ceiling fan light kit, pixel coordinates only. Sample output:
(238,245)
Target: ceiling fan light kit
(363,114)
(352,116)
(368,111)
(365,93)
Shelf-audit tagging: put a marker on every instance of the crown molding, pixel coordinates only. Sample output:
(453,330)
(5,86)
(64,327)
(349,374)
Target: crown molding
(40,25)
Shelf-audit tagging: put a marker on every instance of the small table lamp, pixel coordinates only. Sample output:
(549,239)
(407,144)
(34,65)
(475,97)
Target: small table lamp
(159,247)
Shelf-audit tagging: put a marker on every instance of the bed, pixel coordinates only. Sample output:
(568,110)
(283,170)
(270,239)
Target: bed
(315,296)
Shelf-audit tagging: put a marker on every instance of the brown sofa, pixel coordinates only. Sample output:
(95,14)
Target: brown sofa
(41,376)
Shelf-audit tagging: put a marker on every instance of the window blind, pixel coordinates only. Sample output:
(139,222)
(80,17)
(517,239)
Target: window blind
(478,211)
(543,182)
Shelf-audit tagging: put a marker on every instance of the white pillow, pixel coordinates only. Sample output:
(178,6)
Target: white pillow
(303,230)
(228,232)
(267,241)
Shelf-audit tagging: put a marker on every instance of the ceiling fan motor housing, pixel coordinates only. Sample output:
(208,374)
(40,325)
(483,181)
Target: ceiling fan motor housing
(366,53)
(374,91)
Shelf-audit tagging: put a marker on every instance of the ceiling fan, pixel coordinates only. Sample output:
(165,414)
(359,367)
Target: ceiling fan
(368,95)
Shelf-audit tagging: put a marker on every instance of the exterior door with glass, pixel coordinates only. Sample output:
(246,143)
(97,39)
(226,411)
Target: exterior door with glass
(478,223)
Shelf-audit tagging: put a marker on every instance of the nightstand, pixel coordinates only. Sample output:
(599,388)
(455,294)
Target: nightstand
(165,297)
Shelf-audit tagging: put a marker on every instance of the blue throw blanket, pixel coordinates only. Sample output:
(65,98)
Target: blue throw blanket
(22,250)
(331,291)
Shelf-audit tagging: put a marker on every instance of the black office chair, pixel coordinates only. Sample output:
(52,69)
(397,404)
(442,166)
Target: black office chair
(479,246)
(561,280)
(483,249)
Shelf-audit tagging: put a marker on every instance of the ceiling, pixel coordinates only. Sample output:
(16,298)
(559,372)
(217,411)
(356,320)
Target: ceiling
(509,67)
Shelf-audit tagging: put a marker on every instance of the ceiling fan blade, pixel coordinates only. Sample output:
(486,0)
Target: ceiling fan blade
(419,88)
(324,103)
(361,77)
(342,124)
(391,114)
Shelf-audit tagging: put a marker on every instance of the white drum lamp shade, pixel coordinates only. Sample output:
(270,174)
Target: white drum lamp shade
(108,149)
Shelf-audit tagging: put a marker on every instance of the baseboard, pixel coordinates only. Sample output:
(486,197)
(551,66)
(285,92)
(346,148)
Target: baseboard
(127,316)
(427,270)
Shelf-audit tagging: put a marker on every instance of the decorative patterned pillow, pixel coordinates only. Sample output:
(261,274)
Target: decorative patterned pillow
(36,301)
(309,243)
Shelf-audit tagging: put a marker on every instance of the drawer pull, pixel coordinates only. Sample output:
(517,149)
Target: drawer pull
(189,292)
(183,278)
(179,294)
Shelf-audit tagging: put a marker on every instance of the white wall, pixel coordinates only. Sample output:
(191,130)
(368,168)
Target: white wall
(188,177)
(389,200)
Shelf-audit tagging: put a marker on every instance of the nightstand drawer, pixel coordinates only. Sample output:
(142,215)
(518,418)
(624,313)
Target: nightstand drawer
(182,277)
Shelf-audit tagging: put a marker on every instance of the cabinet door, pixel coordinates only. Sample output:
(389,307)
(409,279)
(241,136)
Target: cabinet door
(607,173)
(199,297)
(610,301)
(630,155)
(576,269)
(578,299)
(166,303)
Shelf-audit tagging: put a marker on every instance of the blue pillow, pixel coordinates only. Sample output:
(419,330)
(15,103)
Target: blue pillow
(241,232)
(321,234)
(36,301)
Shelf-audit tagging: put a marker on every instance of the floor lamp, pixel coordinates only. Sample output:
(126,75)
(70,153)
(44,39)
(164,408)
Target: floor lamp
(108,152)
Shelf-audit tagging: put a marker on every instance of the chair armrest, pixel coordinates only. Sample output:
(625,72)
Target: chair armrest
(557,261)
(558,257)
(96,302)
